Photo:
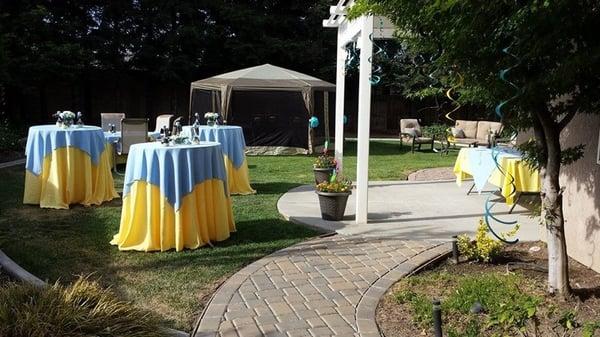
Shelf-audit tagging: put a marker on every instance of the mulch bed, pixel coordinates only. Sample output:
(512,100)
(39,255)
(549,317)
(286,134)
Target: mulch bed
(395,319)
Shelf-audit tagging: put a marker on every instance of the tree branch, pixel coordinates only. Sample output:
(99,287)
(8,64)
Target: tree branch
(567,119)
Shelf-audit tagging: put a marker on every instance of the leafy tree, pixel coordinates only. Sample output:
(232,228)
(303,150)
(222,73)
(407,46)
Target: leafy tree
(552,49)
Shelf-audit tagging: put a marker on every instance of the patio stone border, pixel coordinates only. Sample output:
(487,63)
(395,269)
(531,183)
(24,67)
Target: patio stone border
(282,294)
(12,163)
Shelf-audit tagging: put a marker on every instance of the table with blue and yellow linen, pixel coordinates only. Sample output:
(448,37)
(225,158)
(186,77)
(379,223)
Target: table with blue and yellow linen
(234,146)
(67,166)
(517,176)
(174,197)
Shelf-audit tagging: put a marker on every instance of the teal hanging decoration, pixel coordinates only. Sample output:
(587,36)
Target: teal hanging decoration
(345,119)
(377,70)
(495,152)
(313,122)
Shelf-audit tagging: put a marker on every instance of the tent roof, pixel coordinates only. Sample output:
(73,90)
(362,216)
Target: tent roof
(266,77)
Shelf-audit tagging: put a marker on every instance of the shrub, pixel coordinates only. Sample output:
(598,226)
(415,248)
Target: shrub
(9,137)
(81,309)
(484,248)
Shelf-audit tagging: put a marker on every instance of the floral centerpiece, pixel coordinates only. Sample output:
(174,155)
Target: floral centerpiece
(333,196)
(211,118)
(323,166)
(65,118)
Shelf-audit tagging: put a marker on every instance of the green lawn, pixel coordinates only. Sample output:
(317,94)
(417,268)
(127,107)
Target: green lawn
(59,244)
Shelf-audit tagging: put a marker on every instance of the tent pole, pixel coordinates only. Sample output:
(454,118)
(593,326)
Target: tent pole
(190,105)
(364,111)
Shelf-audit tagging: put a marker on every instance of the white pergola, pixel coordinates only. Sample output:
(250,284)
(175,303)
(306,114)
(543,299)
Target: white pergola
(359,30)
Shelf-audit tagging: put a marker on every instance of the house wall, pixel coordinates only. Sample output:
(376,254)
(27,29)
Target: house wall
(581,182)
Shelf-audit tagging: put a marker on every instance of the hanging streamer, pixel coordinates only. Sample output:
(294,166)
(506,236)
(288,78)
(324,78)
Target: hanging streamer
(495,152)
(313,122)
(449,94)
(377,70)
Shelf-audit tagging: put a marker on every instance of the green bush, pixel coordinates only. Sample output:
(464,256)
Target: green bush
(9,137)
(81,309)
(484,248)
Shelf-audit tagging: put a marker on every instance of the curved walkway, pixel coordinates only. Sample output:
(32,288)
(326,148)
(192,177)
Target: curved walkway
(324,287)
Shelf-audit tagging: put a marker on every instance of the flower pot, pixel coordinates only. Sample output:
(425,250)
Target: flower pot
(211,122)
(333,204)
(322,174)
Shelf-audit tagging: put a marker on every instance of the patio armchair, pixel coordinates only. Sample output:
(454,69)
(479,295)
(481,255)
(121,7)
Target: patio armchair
(133,131)
(162,121)
(410,131)
(111,118)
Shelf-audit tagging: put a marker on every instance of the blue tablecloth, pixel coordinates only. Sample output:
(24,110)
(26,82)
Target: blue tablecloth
(43,139)
(482,164)
(176,170)
(231,139)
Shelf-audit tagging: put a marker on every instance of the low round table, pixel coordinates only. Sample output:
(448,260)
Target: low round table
(174,197)
(234,146)
(67,166)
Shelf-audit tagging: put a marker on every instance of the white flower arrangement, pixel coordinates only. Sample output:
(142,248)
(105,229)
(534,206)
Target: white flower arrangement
(67,115)
(212,116)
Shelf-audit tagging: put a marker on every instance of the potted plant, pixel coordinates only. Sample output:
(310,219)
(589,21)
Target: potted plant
(323,167)
(333,196)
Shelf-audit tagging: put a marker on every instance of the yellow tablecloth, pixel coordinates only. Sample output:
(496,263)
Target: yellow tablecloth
(238,179)
(525,178)
(149,222)
(69,176)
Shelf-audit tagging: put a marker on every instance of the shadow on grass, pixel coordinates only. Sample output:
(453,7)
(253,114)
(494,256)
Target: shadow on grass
(273,187)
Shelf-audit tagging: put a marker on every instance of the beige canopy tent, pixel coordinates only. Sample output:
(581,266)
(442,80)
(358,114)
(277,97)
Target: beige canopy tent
(264,81)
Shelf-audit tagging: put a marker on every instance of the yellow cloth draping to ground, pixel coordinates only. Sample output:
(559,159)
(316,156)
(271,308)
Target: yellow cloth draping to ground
(120,159)
(238,179)
(68,176)
(526,179)
(149,222)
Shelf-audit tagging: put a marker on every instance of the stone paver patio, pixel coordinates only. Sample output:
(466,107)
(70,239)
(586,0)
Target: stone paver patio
(324,287)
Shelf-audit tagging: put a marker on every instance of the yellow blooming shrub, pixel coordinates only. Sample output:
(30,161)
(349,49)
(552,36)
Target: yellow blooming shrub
(484,247)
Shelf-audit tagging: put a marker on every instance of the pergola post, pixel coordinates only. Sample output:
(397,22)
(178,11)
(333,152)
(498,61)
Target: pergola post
(340,84)
(364,117)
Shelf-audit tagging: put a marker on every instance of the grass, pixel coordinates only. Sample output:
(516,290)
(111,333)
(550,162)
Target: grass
(60,245)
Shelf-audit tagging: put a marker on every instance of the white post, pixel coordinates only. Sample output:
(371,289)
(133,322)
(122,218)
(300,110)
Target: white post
(364,113)
(340,84)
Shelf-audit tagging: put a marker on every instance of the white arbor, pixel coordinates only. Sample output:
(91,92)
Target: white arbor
(363,32)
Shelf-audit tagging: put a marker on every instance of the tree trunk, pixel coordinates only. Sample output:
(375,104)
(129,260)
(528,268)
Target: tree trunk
(552,215)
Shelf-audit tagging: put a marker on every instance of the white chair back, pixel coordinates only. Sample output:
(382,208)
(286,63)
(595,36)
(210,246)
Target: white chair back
(162,121)
(133,131)
(111,118)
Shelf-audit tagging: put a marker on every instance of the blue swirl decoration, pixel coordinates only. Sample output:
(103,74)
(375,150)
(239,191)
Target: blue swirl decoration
(377,71)
(488,216)
(345,119)
(313,122)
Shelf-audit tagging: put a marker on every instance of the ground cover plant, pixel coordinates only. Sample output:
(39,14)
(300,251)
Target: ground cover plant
(511,293)
(61,244)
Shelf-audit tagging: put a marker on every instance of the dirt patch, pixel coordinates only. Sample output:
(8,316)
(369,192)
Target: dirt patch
(396,319)
(438,173)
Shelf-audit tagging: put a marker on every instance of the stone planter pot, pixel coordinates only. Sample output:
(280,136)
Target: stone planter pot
(322,174)
(333,204)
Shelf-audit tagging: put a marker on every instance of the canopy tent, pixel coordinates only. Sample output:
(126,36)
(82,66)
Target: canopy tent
(272,103)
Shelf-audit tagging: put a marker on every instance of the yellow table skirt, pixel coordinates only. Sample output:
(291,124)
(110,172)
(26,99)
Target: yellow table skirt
(238,179)
(149,222)
(525,178)
(68,177)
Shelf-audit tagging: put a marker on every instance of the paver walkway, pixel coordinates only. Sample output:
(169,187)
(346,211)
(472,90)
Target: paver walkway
(324,287)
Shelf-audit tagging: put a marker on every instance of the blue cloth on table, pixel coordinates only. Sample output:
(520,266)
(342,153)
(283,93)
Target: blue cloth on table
(115,137)
(176,170)
(44,139)
(482,164)
(231,139)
